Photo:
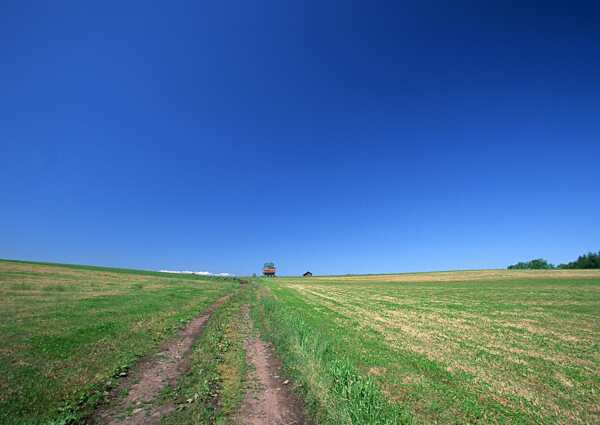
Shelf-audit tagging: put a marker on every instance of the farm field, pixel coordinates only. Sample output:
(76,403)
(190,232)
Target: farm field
(454,347)
(66,330)
(490,346)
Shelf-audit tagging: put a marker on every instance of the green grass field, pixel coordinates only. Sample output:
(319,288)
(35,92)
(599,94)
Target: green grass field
(66,330)
(455,347)
(450,348)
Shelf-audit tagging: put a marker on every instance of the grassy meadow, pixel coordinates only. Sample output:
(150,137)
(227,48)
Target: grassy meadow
(67,330)
(454,347)
(458,347)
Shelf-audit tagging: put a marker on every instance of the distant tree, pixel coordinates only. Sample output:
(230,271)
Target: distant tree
(537,264)
(590,260)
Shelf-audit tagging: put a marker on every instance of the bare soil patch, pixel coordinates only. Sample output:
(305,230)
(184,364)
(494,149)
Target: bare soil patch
(269,399)
(145,383)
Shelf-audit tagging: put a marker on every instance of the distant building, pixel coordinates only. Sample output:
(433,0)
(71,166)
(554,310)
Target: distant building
(307,274)
(269,270)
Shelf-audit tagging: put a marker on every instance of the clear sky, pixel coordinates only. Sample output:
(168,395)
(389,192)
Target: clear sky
(335,137)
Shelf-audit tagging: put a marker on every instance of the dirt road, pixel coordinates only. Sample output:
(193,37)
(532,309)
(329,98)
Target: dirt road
(151,376)
(269,397)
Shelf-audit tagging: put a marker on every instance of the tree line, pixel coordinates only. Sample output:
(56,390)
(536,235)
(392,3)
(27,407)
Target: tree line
(590,260)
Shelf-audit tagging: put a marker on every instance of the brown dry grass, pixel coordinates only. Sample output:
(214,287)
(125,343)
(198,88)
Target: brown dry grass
(467,275)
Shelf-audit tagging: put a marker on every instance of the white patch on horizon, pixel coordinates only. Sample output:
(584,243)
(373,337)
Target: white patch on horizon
(196,273)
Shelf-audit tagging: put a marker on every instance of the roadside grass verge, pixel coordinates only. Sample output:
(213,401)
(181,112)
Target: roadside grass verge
(67,331)
(213,389)
(334,390)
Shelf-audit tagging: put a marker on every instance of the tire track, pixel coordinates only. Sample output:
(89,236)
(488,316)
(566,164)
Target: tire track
(269,397)
(150,376)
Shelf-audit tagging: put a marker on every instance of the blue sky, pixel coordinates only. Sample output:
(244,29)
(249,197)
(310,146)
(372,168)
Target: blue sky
(336,137)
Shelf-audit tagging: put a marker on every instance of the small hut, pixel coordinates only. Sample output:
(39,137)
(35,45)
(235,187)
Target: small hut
(307,274)
(269,270)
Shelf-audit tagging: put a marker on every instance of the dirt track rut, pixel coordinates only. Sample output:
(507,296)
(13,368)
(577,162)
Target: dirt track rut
(269,397)
(151,375)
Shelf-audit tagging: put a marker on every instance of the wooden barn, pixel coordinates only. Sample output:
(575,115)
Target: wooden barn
(269,270)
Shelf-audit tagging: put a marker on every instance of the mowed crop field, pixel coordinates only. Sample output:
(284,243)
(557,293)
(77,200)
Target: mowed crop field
(457,347)
(66,330)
